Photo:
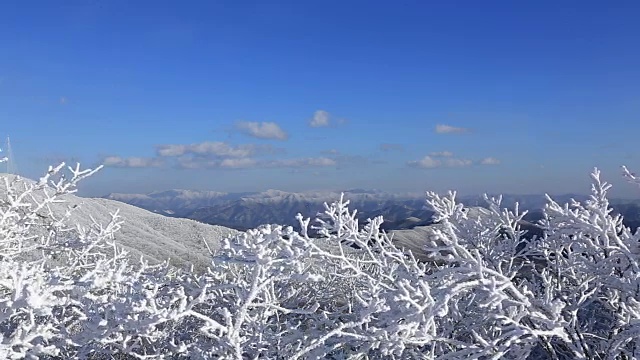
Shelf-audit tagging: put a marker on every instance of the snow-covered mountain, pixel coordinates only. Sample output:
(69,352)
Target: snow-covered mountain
(176,202)
(143,233)
(249,210)
(275,206)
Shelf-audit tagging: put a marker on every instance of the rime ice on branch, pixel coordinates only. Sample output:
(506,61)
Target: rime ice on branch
(274,292)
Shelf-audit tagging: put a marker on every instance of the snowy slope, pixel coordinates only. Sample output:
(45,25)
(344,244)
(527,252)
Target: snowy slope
(154,236)
(414,239)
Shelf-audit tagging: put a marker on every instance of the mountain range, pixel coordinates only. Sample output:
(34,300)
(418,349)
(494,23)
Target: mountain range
(406,211)
(244,211)
(160,235)
(247,210)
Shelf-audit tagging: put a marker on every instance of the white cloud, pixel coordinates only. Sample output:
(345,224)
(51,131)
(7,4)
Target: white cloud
(171,150)
(322,161)
(457,162)
(426,162)
(216,148)
(132,162)
(221,155)
(238,163)
(304,162)
(430,162)
(222,149)
(320,118)
(441,154)
(262,130)
(204,163)
(490,161)
(243,163)
(447,129)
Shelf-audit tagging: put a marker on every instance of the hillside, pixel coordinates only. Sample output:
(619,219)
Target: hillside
(143,233)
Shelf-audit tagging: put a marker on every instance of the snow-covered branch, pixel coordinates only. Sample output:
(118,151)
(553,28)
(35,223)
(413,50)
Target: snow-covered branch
(486,291)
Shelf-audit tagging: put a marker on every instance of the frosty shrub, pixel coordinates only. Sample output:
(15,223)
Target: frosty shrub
(277,293)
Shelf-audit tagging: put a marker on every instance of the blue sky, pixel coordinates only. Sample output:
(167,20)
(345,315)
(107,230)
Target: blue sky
(494,96)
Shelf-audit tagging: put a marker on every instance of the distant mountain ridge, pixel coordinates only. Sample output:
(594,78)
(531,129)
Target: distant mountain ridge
(245,210)
(176,202)
(248,210)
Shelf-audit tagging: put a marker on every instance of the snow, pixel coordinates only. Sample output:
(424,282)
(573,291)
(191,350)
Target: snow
(273,292)
(144,233)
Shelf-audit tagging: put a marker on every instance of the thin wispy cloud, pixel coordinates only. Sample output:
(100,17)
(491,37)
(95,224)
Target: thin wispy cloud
(188,163)
(262,130)
(321,118)
(238,163)
(430,162)
(244,163)
(212,148)
(445,159)
(391,147)
(131,162)
(319,162)
(426,162)
(457,162)
(331,152)
(202,163)
(490,161)
(221,155)
(303,162)
(441,154)
(448,129)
